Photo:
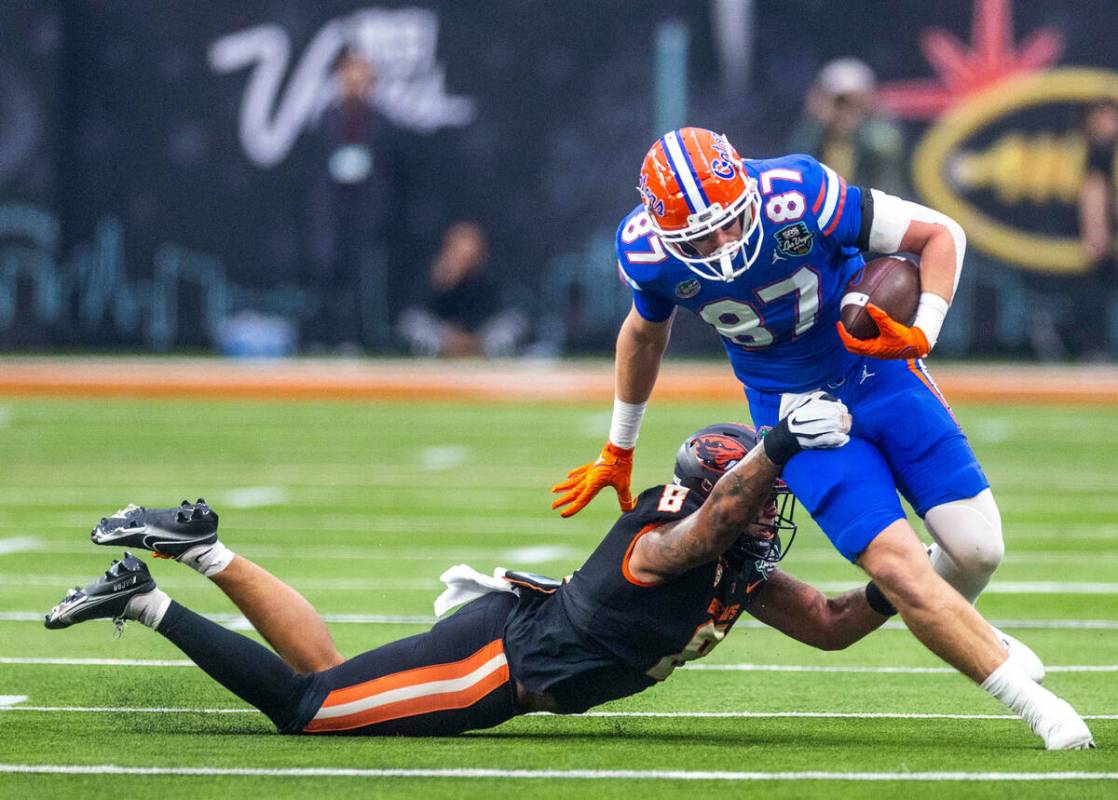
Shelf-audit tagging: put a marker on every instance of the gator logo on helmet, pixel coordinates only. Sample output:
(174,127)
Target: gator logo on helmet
(651,201)
(718,452)
(723,167)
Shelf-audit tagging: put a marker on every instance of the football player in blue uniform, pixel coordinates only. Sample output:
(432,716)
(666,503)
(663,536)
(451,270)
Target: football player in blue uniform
(762,250)
(663,587)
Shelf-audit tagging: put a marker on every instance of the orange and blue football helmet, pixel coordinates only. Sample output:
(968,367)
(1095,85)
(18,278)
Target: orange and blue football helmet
(692,183)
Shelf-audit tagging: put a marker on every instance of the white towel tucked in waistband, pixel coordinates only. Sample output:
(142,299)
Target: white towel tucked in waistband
(464,583)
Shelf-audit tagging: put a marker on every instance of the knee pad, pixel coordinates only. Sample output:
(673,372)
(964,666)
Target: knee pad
(969,532)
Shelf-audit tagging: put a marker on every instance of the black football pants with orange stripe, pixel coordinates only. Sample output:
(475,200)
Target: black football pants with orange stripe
(451,679)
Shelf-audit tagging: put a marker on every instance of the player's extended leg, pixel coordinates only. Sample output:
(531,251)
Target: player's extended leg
(188,533)
(450,679)
(906,415)
(247,669)
(935,613)
(286,620)
(952,629)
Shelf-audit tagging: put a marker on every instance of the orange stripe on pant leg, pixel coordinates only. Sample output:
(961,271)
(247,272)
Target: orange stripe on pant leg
(915,370)
(411,677)
(427,704)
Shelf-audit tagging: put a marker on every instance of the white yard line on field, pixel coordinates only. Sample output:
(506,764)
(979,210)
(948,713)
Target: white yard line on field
(237,620)
(129,662)
(185,582)
(876,670)
(420,619)
(901,715)
(556,774)
(1006,587)
(440,554)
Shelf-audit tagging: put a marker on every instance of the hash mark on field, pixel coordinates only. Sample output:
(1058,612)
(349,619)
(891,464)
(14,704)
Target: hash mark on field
(437,459)
(255,497)
(19,544)
(9,700)
(540,554)
(557,774)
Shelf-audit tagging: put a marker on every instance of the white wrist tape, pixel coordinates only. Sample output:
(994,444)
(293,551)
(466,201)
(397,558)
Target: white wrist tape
(626,422)
(929,316)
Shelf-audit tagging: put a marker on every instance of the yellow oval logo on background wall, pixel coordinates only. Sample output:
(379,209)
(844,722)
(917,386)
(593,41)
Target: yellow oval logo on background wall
(1009,173)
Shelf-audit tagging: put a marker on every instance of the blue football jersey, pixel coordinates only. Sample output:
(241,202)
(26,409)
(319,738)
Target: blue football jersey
(777,320)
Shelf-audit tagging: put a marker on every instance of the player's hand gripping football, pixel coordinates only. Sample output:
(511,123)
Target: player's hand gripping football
(614,467)
(894,339)
(810,421)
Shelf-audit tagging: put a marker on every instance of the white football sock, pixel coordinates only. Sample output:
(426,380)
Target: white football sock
(148,608)
(1010,684)
(208,559)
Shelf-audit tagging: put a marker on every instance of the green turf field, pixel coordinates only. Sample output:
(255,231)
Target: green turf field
(361,506)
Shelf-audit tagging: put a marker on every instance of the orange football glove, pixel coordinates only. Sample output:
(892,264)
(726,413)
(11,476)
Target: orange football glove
(614,467)
(893,340)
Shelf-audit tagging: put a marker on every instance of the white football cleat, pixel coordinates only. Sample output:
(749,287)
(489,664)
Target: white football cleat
(1022,655)
(1061,727)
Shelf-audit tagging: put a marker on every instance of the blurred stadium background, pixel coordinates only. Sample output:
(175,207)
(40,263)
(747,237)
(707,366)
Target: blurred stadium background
(210,204)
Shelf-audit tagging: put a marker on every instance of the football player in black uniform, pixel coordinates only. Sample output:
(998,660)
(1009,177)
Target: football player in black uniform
(664,587)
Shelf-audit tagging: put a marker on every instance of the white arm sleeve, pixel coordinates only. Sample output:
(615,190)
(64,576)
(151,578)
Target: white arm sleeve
(891,217)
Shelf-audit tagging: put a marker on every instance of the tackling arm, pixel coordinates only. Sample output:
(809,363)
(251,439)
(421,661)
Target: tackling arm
(802,612)
(735,501)
(813,420)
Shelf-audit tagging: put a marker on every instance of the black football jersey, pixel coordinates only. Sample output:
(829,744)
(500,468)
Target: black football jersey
(604,622)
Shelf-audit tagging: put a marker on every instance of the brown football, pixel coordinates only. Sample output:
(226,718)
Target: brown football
(891,283)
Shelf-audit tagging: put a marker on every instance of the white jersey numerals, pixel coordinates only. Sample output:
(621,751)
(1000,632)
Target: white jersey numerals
(638,227)
(672,498)
(739,322)
(706,637)
(785,207)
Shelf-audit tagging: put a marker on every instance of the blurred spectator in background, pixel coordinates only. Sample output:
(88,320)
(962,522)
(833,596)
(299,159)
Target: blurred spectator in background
(463,314)
(1097,223)
(842,127)
(354,197)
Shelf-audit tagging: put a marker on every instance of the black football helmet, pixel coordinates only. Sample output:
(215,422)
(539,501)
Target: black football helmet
(707,454)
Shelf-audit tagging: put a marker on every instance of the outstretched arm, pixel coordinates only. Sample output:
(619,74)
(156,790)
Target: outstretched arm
(802,612)
(640,347)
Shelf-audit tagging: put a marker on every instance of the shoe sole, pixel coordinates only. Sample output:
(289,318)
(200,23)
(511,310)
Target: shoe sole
(140,538)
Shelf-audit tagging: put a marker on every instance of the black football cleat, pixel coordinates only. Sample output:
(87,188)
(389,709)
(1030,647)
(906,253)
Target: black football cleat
(104,598)
(168,532)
